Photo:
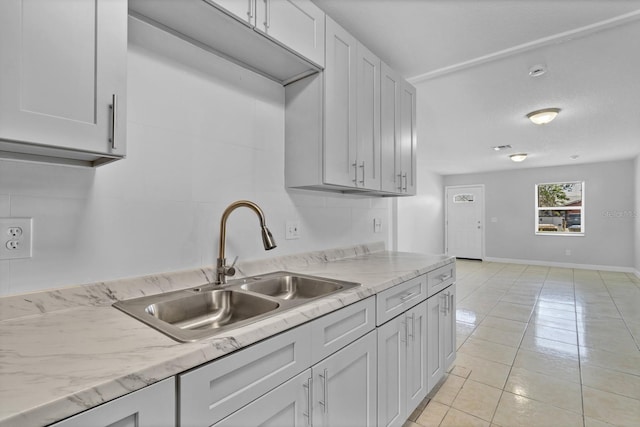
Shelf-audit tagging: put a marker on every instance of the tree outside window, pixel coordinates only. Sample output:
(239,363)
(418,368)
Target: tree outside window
(559,208)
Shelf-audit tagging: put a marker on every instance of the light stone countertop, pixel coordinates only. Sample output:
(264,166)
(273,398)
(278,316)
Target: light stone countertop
(67,350)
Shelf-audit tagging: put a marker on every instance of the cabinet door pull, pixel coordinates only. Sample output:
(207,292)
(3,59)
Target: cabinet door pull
(408,296)
(451,301)
(445,277)
(308,385)
(355,171)
(250,10)
(113,108)
(413,327)
(404,325)
(325,401)
(363,172)
(444,305)
(267,15)
(404,176)
(400,179)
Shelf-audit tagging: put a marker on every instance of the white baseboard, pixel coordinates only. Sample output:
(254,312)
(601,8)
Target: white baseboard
(565,265)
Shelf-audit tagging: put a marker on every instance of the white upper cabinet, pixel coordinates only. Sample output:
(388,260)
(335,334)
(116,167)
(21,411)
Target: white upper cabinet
(368,119)
(297,24)
(398,133)
(63,80)
(408,141)
(390,83)
(332,125)
(340,107)
(280,39)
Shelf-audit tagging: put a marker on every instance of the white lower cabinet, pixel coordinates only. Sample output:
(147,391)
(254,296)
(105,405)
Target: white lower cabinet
(152,406)
(441,325)
(345,384)
(287,405)
(402,365)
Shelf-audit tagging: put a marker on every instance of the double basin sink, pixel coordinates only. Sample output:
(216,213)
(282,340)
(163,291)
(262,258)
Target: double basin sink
(204,311)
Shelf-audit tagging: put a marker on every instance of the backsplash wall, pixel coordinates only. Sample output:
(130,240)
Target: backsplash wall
(202,133)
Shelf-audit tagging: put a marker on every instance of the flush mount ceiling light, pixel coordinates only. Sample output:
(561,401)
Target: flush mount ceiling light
(537,70)
(501,147)
(518,157)
(544,116)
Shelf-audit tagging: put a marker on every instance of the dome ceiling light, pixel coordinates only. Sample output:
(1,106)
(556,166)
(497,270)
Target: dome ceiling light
(518,157)
(544,116)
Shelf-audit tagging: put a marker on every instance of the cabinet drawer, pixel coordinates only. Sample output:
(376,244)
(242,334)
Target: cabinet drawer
(336,330)
(396,300)
(213,391)
(440,278)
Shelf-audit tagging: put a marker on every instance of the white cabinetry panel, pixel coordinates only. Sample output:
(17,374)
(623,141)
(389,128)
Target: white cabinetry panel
(63,80)
(152,406)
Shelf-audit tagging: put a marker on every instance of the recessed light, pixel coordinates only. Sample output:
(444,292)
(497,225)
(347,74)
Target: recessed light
(544,116)
(501,147)
(518,157)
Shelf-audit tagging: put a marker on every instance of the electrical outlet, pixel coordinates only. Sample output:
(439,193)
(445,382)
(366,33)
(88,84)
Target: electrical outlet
(15,238)
(292,230)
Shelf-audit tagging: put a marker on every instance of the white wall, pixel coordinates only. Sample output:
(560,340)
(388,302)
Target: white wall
(609,205)
(202,133)
(420,219)
(636,183)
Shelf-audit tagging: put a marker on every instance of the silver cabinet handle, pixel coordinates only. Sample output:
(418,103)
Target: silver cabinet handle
(308,385)
(404,176)
(413,327)
(444,306)
(363,172)
(267,15)
(451,301)
(113,108)
(445,277)
(404,324)
(325,380)
(408,296)
(400,179)
(250,10)
(355,166)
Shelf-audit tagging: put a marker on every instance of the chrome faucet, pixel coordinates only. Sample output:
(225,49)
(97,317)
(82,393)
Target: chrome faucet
(222,270)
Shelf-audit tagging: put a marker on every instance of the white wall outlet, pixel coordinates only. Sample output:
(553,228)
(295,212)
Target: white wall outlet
(292,230)
(15,238)
(377,225)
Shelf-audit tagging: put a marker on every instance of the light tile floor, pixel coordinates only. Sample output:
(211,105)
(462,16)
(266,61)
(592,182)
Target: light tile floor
(540,346)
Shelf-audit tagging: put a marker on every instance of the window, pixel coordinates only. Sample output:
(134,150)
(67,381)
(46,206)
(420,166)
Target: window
(560,209)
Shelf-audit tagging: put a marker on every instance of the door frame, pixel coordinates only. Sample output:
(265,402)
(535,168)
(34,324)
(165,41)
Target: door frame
(482,216)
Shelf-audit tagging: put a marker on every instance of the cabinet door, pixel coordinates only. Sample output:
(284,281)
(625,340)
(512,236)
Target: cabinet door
(286,405)
(215,390)
(345,385)
(417,358)
(368,119)
(389,129)
(340,107)
(62,69)
(449,324)
(392,372)
(435,345)
(335,330)
(152,406)
(408,139)
(244,10)
(296,24)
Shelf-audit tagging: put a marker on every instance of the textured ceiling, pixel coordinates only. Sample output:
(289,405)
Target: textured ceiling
(470,61)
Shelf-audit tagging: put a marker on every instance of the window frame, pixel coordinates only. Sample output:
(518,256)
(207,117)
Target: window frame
(581,208)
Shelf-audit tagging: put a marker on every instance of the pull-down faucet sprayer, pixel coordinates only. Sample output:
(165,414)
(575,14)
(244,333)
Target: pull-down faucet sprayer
(269,243)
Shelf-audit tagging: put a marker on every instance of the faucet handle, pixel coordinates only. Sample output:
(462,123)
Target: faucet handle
(230,271)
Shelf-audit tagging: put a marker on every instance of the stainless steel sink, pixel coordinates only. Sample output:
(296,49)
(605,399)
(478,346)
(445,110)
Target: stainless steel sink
(210,310)
(203,311)
(290,287)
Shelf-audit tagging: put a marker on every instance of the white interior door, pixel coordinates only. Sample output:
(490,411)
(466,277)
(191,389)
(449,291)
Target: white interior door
(464,225)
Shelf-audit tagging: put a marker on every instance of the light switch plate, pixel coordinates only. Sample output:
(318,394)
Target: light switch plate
(15,238)
(292,230)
